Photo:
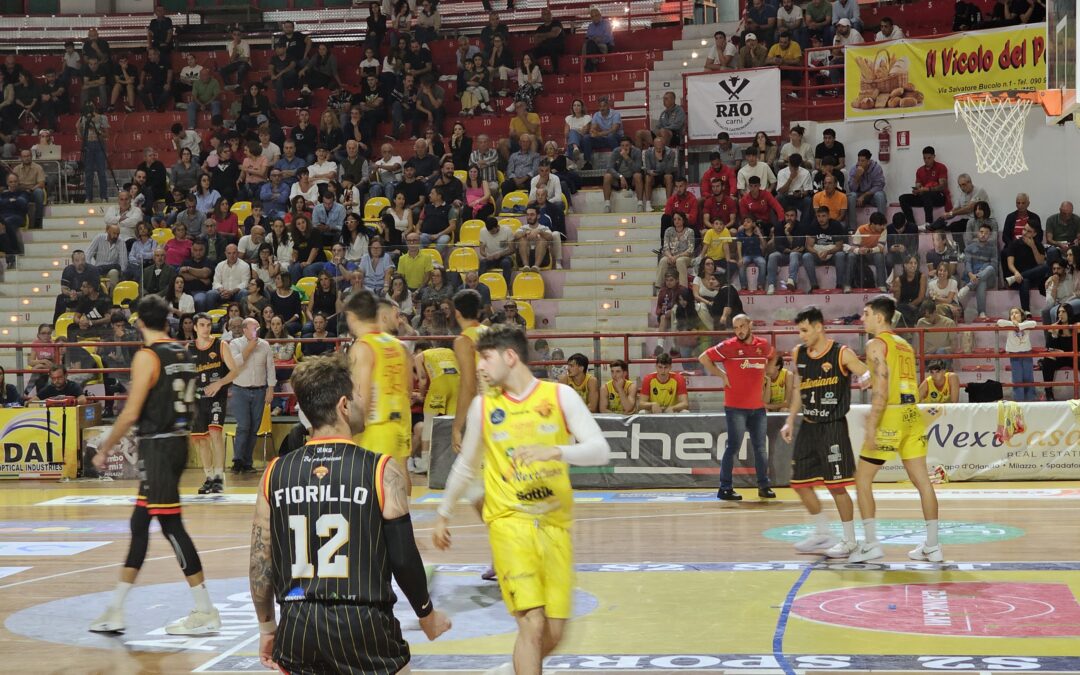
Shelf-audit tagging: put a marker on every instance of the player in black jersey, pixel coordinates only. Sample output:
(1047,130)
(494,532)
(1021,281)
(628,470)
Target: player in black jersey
(331,526)
(159,406)
(214,370)
(822,455)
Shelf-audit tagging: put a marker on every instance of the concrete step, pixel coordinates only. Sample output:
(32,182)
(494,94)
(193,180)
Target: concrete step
(591,202)
(706,30)
(73,237)
(602,324)
(29,302)
(75,210)
(607,266)
(30,276)
(638,274)
(607,249)
(623,304)
(605,290)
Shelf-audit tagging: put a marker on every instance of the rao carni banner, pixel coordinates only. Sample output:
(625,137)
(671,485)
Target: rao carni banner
(921,77)
(740,102)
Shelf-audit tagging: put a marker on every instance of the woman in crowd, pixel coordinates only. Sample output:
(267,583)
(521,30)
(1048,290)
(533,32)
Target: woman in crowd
(397,221)
(376,267)
(1059,339)
(909,289)
(330,134)
(299,206)
(180,303)
(460,147)
(283,350)
(726,305)
(677,251)
(576,137)
(254,171)
(141,252)
(206,197)
(184,175)
(255,300)
(253,104)
(569,181)
(186,331)
(767,150)
(429,320)
(280,241)
(437,288)
(325,299)
(1018,341)
(354,237)
(478,201)
(530,83)
(228,225)
(308,249)
(705,287)
(943,291)
(178,249)
(320,71)
(286,303)
(266,266)
(398,292)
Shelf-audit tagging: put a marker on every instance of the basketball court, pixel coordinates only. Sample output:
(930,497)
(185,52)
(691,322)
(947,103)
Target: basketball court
(667,581)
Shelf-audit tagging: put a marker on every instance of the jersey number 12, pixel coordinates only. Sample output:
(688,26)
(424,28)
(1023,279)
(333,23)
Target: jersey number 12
(331,565)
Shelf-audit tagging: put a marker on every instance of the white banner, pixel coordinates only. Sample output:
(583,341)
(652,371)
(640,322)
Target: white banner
(740,102)
(962,439)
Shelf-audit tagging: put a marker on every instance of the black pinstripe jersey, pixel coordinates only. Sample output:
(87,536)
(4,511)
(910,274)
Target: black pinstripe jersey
(168,406)
(824,384)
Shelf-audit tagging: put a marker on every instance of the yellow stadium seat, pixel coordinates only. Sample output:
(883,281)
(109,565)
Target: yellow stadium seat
(433,253)
(529,286)
(217,313)
(133,318)
(495,283)
(518,199)
(307,286)
(513,223)
(298,353)
(469,234)
(374,207)
(242,211)
(464,260)
(526,312)
(501,176)
(60,328)
(97,378)
(462,175)
(161,235)
(125,293)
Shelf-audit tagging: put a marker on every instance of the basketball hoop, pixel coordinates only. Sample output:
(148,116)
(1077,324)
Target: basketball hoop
(996,120)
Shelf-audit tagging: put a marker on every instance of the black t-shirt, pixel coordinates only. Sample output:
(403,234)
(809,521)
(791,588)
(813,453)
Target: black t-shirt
(436,219)
(452,191)
(224,178)
(1024,256)
(156,73)
(548,27)
(819,180)
(837,151)
(305,138)
(156,178)
(413,191)
(295,45)
(94,309)
(418,60)
(69,389)
(287,307)
(197,286)
(302,246)
(279,64)
(159,30)
(833,234)
(425,166)
(89,73)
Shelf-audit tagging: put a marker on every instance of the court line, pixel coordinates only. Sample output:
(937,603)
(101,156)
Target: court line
(225,654)
(782,620)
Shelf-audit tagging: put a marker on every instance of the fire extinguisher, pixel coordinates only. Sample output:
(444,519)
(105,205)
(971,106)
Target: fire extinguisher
(884,138)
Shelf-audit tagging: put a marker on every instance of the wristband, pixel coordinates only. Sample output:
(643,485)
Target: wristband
(865,377)
(268,627)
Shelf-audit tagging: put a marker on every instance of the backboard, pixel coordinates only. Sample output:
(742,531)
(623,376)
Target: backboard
(1061,61)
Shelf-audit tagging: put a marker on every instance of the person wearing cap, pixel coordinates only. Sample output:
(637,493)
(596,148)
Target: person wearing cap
(239,60)
(845,35)
(760,18)
(753,54)
(847,10)
(940,385)
(206,92)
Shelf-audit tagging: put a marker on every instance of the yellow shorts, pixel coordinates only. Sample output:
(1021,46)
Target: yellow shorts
(901,431)
(535,564)
(441,398)
(388,438)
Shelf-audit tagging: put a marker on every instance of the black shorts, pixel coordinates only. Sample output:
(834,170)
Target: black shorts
(321,637)
(161,463)
(209,412)
(823,455)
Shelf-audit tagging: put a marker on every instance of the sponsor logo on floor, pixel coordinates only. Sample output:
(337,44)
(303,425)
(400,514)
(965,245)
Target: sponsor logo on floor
(32,549)
(909,532)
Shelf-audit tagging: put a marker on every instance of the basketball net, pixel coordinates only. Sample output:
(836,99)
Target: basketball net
(996,124)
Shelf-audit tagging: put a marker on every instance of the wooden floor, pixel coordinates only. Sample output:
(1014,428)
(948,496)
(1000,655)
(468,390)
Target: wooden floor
(667,582)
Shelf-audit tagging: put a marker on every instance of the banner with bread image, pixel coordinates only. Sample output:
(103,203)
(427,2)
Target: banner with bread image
(921,77)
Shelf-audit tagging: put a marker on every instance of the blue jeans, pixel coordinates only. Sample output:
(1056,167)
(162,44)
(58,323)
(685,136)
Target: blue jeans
(756,261)
(193,111)
(987,276)
(879,200)
(739,422)
(239,68)
(247,408)
(810,262)
(383,189)
(300,270)
(584,143)
(773,267)
(94,165)
(213,298)
(1023,370)
(605,142)
(442,242)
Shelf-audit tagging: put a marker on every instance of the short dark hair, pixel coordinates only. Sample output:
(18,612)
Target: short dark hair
(882,305)
(723,136)
(579,359)
(754,180)
(936,364)
(319,383)
(718,33)
(504,337)
(865,153)
(822,209)
(619,363)
(829,132)
(877,218)
(153,311)
(468,302)
(812,314)
(929,150)
(663,359)
(927,307)
(362,304)
(203,316)
(750,151)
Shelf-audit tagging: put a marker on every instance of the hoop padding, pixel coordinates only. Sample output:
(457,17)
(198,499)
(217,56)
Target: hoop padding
(996,125)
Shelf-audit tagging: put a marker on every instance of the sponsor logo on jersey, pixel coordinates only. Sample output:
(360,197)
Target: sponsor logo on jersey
(498,416)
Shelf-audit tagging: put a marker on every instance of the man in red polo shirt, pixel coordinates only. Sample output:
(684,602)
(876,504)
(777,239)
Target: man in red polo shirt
(680,200)
(931,188)
(760,205)
(739,362)
(717,169)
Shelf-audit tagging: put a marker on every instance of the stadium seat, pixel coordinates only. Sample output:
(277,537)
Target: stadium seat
(125,293)
(217,313)
(436,257)
(242,211)
(373,209)
(161,235)
(60,328)
(469,234)
(515,202)
(513,223)
(464,260)
(528,286)
(495,283)
(526,311)
(306,286)
(462,175)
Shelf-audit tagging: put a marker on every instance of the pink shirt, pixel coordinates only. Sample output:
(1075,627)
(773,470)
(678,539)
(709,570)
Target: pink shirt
(177,251)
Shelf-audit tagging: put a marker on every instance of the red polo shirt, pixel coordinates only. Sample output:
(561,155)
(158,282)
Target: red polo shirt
(745,366)
(759,208)
(934,176)
(724,171)
(688,204)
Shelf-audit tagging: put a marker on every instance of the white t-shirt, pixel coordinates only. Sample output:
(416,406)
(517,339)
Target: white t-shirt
(896,34)
(806,151)
(500,241)
(243,49)
(272,153)
(578,123)
(762,171)
(192,141)
(370,63)
(803,181)
(312,195)
(854,37)
(729,50)
(384,175)
(319,168)
(188,74)
(938,294)
(789,20)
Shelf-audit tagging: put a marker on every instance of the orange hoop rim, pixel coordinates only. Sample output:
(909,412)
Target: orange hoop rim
(1049,99)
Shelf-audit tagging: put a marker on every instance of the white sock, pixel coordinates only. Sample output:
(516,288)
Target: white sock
(821,523)
(849,530)
(870,528)
(120,594)
(202,599)
(607,202)
(931,533)
(209,473)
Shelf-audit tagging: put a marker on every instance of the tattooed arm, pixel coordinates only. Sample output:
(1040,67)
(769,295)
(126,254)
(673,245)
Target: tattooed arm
(260,575)
(879,383)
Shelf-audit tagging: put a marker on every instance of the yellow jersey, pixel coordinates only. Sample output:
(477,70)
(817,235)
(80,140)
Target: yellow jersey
(540,491)
(900,360)
(716,243)
(474,333)
(778,388)
(389,397)
(935,395)
(440,362)
(582,389)
(614,402)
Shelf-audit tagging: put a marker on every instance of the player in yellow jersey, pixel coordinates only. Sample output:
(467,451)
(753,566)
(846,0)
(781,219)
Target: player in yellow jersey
(382,371)
(580,380)
(467,312)
(778,383)
(620,394)
(940,385)
(437,374)
(526,434)
(894,427)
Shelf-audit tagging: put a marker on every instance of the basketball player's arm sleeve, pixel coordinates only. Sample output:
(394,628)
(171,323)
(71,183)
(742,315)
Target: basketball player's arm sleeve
(591,448)
(467,465)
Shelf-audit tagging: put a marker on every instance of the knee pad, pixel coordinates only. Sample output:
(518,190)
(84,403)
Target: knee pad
(173,529)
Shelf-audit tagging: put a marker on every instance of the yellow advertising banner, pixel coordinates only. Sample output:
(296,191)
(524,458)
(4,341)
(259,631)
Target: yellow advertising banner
(920,77)
(40,442)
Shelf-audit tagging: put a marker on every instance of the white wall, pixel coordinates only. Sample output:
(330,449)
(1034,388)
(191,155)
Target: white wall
(1052,153)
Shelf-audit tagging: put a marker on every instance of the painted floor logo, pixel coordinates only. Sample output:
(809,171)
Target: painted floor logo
(910,532)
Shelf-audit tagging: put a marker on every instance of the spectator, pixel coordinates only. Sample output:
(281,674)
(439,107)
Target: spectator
(545,190)
(52,102)
(795,186)
(479,204)
(789,18)
(93,305)
(386,172)
(496,248)
(530,83)
(671,125)
(376,267)
(418,61)
(1016,221)
(249,244)
(397,221)
(753,167)
(305,189)
(605,130)
(1025,262)
(680,200)
(239,64)
(320,71)
(140,252)
(157,277)
(869,245)
(282,74)
(399,294)
(14,206)
(185,173)
(729,155)
(124,215)
(751,251)
(160,33)
(849,10)
(427,165)
(533,239)
(1060,340)
(866,184)
(666,298)
(509,315)
(660,164)
(304,140)
(252,390)
(931,188)
(828,168)
(981,260)
(718,169)
(325,301)
(332,138)
(797,143)
(767,150)
(180,303)
(60,386)
(903,236)
(429,106)
(705,288)
(941,340)
(523,122)
(790,244)
(677,250)
(760,18)
(95,77)
(942,251)
(227,223)
(328,217)
(474,87)
(437,224)
(495,27)
(909,289)
(107,254)
(723,54)
(888,30)
(1062,231)
(966,201)
(663,391)
(824,246)
(486,158)
(354,240)
(1019,342)
(93,128)
(308,247)
(287,304)
(274,195)
(453,190)
(415,267)
(1061,288)
(752,54)
(718,240)
(72,64)
(297,45)
(225,178)
(205,93)
(403,106)
(580,380)
(787,55)
(761,206)
(830,147)
(522,166)
(844,35)
(550,39)
(319,331)
(414,190)
(231,278)
(619,394)
(599,39)
(324,169)
(437,289)
(625,172)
